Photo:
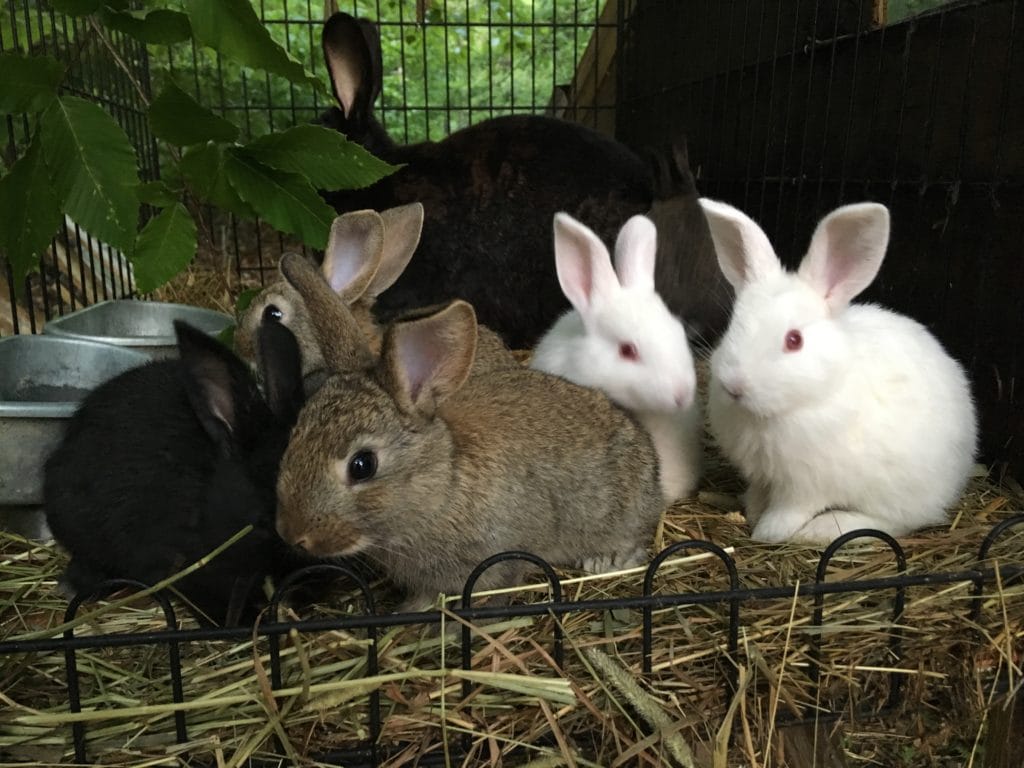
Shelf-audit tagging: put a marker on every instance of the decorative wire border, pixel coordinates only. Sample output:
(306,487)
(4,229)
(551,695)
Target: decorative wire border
(371,753)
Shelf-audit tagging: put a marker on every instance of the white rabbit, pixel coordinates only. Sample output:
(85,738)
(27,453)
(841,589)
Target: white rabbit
(840,416)
(622,340)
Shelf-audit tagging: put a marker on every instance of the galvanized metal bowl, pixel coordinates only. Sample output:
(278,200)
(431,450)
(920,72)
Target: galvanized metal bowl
(42,381)
(145,326)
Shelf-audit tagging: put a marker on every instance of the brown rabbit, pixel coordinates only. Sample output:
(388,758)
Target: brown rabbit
(428,471)
(366,252)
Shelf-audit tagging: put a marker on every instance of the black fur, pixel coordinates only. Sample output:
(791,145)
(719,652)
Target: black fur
(165,462)
(489,193)
(686,273)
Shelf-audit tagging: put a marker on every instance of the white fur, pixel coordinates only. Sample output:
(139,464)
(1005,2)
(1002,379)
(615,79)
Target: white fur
(869,425)
(620,305)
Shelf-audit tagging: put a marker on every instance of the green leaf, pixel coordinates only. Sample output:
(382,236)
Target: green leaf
(245,299)
(157,193)
(325,157)
(286,200)
(93,169)
(165,246)
(227,336)
(232,28)
(29,211)
(76,7)
(178,118)
(202,165)
(28,83)
(157,27)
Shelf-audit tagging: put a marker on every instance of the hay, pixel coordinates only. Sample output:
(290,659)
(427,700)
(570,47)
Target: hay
(596,709)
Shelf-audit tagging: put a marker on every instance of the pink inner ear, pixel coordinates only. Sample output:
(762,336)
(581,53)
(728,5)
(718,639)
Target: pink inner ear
(846,252)
(341,267)
(583,263)
(346,82)
(215,384)
(222,407)
(420,355)
(351,247)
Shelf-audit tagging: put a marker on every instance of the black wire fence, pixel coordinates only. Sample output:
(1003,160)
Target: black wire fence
(731,603)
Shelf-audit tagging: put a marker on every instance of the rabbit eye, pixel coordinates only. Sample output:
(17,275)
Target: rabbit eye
(272,312)
(627,351)
(362,466)
(794,341)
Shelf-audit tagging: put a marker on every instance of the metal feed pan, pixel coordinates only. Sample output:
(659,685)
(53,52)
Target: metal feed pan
(42,381)
(144,326)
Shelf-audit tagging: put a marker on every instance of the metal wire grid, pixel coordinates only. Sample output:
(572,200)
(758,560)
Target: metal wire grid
(371,753)
(779,98)
(77,269)
(791,109)
(435,85)
(435,81)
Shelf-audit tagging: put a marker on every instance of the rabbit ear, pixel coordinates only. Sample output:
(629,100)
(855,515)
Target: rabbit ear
(281,370)
(354,251)
(424,361)
(352,53)
(670,169)
(583,264)
(846,252)
(402,228)
(337,333)
(218,384)
(744,252)
(635,250)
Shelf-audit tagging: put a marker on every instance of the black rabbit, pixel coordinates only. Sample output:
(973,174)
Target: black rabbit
(490,192)
(165,462)
(686,273)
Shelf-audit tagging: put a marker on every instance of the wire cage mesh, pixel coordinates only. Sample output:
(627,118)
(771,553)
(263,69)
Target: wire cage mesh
(446,65)
(110,69)
(792,109)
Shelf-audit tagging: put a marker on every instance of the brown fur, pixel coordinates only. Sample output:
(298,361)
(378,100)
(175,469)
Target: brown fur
(467,467)
(389,238)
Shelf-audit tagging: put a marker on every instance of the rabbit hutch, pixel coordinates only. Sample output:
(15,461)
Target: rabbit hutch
(718,651)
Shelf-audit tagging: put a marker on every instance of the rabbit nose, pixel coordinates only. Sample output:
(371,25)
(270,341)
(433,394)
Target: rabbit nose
(734,389)
(733,385)
(683,397)
(286,534)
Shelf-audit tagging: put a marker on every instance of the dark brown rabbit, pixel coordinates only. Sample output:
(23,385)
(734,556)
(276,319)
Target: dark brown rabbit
(489,192)
(687,276)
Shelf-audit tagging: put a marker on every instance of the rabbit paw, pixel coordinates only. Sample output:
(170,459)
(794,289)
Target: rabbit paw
(777,525)
(417,604)
(625,558)
(830,525)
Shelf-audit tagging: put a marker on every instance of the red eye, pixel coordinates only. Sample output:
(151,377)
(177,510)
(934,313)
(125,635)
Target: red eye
(794,341)
(627,351)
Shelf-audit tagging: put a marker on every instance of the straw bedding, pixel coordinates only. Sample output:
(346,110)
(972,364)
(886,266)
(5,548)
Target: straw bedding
(595,710)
